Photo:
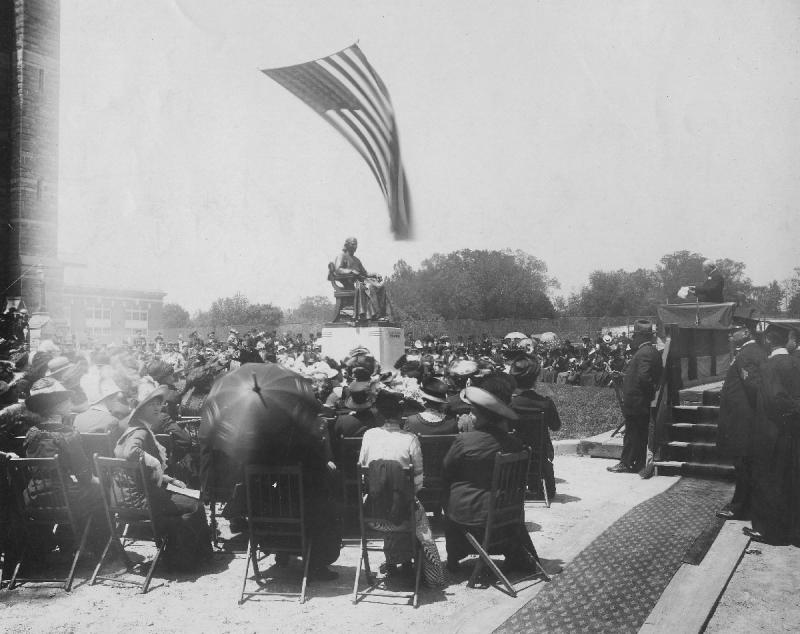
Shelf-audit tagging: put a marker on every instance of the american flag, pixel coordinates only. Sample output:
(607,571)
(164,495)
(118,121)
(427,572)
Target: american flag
(345,90)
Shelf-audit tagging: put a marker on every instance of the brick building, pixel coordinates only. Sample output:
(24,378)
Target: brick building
(112,315)
(29,78)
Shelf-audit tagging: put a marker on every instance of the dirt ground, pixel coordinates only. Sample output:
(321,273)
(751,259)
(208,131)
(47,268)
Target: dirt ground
(762,595)
(589,499)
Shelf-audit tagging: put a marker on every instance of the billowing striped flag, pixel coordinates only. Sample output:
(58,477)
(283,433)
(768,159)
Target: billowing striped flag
(347,92)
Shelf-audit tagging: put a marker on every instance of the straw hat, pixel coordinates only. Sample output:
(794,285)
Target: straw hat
(160,392)
(103,389)
(481,398)
(45,393)
(57,366)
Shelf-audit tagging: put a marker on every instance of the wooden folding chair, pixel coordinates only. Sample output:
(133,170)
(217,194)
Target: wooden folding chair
(534,438)
(276,517)
(506,513)
(434,449)
(52,509)
(97,443)
(126,489)
(375,525)
(349,450)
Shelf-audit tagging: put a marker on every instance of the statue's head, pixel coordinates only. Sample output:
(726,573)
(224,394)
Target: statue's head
(708,266)
(350,244)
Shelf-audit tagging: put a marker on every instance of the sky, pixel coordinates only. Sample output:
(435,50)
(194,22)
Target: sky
(597,134)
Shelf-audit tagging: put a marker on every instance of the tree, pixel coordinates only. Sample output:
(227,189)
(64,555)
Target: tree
(791,288)
(769,297)
(473,284)
(175,316)
(237,310)
(311,310)
(620,293)
(684,268)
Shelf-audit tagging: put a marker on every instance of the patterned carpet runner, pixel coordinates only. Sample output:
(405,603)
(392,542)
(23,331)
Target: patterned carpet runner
(613,585)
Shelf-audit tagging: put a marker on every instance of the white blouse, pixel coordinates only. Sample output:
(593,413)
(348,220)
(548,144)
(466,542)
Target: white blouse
(392,443)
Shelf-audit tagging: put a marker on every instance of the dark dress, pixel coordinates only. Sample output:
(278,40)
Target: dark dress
(775,497)
(467,474)
(85,498)
(188,536)
(525,403)
(417,424)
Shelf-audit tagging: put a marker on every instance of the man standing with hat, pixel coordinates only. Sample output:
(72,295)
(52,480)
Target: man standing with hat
(639,385)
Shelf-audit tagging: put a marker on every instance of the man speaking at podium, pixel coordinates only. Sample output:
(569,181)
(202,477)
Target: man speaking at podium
(370,300)
(711,289)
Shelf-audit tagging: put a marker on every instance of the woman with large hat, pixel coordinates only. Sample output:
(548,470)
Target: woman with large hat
(467,474)
(54,435)
(189,540)
(432,420)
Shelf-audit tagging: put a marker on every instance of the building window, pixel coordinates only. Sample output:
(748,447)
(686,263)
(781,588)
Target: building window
(98,312)
(135,315)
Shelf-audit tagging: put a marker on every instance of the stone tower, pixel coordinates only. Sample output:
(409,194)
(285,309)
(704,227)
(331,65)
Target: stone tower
(29,78)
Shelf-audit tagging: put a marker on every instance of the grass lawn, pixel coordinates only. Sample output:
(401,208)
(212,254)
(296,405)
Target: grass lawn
(585,411)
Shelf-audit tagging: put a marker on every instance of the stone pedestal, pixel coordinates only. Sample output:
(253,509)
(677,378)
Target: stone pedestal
(385,340)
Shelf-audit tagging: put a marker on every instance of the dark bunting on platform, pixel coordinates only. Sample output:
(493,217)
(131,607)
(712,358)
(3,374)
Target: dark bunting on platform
(345,90)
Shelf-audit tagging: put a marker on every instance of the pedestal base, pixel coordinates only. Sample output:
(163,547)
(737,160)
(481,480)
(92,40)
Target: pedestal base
(385,341)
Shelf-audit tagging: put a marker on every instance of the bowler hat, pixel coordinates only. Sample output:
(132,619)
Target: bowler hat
(643,327)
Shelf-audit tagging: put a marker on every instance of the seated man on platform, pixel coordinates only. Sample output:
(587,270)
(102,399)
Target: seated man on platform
(370,301)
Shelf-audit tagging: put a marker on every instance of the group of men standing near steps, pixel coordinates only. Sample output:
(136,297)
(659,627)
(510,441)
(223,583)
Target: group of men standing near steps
(759,428)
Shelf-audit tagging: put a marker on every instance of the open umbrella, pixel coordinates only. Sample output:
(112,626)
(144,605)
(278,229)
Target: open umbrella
(548,337)
(255,405)
(515,335)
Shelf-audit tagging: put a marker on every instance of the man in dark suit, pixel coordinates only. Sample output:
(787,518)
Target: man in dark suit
(639,386)
(775,497)
(711,289)
(737,417)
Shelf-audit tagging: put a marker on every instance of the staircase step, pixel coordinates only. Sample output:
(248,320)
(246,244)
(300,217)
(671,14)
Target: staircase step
(695,413)
(694,451)
(693,432)
(707,470)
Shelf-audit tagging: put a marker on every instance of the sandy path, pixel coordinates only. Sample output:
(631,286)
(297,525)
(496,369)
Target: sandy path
(589,500)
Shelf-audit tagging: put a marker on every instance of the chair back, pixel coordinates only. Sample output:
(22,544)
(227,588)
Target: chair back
(434,449)
(275,507)
(39,489)
(99,444)
(509,483)
(349,449)
(167,442)
(373,508)
(530,429)
(126,488)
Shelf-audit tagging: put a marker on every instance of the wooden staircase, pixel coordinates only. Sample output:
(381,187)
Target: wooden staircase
(690,447)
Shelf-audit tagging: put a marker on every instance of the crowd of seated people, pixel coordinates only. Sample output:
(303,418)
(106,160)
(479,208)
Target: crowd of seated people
(134,392)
